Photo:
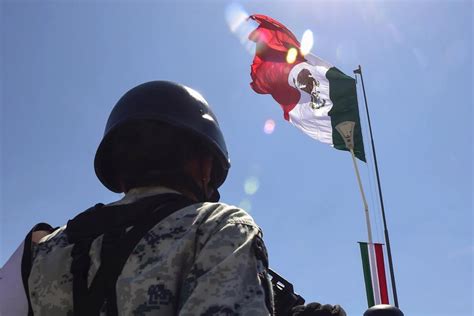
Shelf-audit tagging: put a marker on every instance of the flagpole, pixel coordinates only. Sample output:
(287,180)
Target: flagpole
(346,130)
(364,200)
(387,240)
(369,229)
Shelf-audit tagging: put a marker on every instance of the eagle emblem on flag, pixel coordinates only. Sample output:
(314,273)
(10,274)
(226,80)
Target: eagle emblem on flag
(306,82)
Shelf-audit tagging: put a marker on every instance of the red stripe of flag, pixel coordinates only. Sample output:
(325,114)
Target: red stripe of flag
(269,69)
(381,273)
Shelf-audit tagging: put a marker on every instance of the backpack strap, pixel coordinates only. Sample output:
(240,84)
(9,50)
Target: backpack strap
(117,245)
(26,260)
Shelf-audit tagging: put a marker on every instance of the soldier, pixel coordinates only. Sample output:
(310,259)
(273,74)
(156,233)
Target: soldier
(168,247)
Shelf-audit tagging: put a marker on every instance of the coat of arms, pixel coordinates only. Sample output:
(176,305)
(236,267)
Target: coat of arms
(307,83)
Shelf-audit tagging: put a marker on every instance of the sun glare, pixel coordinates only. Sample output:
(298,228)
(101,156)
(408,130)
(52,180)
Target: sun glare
(240,25)
(291,55)
(235,16)
(307,42)
(196,95)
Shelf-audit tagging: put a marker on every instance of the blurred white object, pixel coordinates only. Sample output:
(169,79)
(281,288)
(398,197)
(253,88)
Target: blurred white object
(307,42)
(13,300)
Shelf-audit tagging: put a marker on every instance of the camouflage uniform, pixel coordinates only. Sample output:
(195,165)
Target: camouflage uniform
(200,260)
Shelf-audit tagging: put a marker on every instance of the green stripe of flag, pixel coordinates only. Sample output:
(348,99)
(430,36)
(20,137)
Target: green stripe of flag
(364,252)
(343,95)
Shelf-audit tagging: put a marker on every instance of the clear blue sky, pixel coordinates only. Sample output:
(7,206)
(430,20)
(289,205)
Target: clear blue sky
(65,63)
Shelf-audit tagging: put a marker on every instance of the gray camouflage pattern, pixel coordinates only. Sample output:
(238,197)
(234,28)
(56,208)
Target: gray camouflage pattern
(199,260)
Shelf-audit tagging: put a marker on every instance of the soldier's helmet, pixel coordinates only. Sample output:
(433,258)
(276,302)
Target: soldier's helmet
(173,105)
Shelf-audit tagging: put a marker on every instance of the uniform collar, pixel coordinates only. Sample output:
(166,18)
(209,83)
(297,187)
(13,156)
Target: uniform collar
(138,193)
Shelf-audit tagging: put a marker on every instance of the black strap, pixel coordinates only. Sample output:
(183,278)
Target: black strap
(26,260)
(117,245)
(79,270)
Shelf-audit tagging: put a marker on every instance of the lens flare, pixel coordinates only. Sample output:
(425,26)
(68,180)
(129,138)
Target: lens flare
(240,25)
(307,42)
(251,185)
(246,205)
(269,126)
(291,55)
(235,16)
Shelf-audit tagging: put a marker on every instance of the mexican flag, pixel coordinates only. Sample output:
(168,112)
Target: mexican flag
(374,273)
(315,96)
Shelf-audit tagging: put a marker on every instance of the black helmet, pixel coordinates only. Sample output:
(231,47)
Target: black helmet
(172,104)
(383,310)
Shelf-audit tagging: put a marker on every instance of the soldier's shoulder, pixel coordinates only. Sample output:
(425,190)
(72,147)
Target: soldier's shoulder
(54,235)
(222,213)
(56,239)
